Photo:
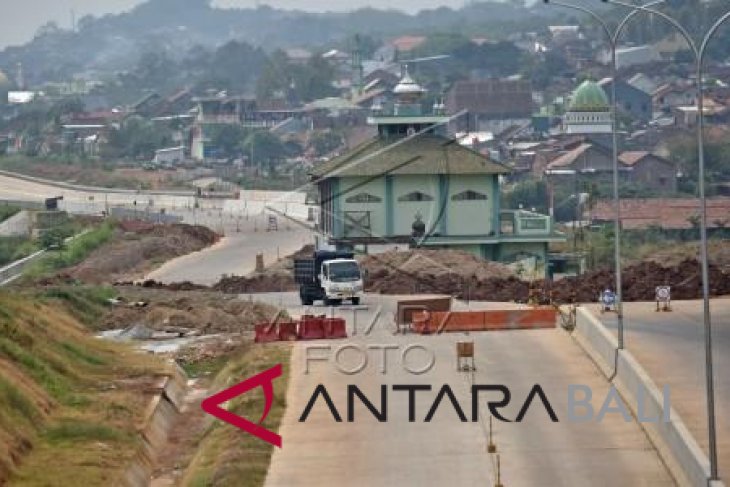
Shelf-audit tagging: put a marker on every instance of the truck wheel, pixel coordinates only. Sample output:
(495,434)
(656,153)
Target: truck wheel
(305,298)
(355,301)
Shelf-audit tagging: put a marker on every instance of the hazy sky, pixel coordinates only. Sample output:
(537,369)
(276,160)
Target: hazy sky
(19,22)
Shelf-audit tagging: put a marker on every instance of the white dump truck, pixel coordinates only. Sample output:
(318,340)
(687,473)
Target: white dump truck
(332,276)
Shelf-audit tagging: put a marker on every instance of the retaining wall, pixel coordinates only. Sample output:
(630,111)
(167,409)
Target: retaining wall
(162,411)
(677,447)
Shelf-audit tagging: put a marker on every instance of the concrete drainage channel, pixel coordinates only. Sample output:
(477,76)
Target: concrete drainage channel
(163,409)
(677,447)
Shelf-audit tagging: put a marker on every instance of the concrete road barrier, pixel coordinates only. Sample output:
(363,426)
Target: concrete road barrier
(677,447)
(492,320)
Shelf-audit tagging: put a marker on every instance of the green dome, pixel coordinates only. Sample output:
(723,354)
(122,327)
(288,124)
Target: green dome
(589,97)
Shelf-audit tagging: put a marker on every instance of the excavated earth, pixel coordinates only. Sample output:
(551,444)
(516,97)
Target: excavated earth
(137,247)
(465,276)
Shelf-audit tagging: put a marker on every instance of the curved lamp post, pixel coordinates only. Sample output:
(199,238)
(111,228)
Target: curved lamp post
(613,44)
(699,54)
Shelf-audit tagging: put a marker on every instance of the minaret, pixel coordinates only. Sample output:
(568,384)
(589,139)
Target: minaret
(407,117)
(19,78)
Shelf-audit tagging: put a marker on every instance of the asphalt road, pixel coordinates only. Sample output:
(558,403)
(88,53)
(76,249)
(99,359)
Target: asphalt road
(670,346)
(235,253)
(446,451)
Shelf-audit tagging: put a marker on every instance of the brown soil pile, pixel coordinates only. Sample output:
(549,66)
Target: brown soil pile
(277,277)
(205,312)
(393,272)
(402,272)
(465,276)
(257,283)
(640,281)
(136,251)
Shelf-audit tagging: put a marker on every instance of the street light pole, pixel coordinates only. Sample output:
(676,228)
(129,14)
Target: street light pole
(699,54)
(613,43)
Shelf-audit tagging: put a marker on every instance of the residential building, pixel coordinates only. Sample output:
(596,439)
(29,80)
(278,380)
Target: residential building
(672,95)
(412,184)
(632,101)
(664,213)
(643,82)
(487,101)
(170,155)
(631,56)
(686,116)
(593,163)
(232,110)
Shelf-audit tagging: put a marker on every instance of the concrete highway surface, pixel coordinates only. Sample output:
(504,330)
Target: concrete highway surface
(447,451)
(209,211)
(670,346)
(236,251)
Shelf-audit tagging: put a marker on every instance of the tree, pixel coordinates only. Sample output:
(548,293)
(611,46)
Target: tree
(264,147)
(325,142)
(138,139)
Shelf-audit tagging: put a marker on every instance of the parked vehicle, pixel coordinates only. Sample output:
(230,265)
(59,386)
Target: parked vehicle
(330,276)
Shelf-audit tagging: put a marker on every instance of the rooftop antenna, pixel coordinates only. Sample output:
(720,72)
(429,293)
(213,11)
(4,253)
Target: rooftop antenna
(73,20)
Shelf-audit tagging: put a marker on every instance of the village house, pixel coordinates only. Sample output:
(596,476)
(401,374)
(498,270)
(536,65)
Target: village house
(593,163)
(668,214)
(632,101)
(491,104)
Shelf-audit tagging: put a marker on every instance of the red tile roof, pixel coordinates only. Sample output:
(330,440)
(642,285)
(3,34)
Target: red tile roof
(667,213)
(630,158)
(407,43)
(569,157)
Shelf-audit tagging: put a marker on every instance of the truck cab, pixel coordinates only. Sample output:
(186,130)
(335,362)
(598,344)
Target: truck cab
(341,280)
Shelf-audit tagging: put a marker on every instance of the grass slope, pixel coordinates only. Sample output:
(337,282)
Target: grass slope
(70,404)
(227,456)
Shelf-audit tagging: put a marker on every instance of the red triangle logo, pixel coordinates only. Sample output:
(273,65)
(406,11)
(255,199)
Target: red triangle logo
(265,380)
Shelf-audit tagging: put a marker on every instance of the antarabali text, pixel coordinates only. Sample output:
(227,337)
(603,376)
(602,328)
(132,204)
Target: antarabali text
(579,404)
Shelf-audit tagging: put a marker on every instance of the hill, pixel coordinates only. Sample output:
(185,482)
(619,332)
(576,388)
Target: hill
(113,43)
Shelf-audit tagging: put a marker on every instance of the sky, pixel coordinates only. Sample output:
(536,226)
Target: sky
(19,22)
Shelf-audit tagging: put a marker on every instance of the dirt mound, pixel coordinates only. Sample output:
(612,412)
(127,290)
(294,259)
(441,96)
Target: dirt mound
(639,284)
(465,276)
(277,277)
(438,271)
(258,283)
(640,281)
(175,310)
(137,250)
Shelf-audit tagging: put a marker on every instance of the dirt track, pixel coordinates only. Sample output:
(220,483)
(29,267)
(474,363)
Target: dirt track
(137,247)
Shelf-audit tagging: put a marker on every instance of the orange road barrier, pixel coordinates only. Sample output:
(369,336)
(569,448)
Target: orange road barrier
(308,328)
(288,331)
(335,328)
(266,332)
(453,321)
(311,328)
